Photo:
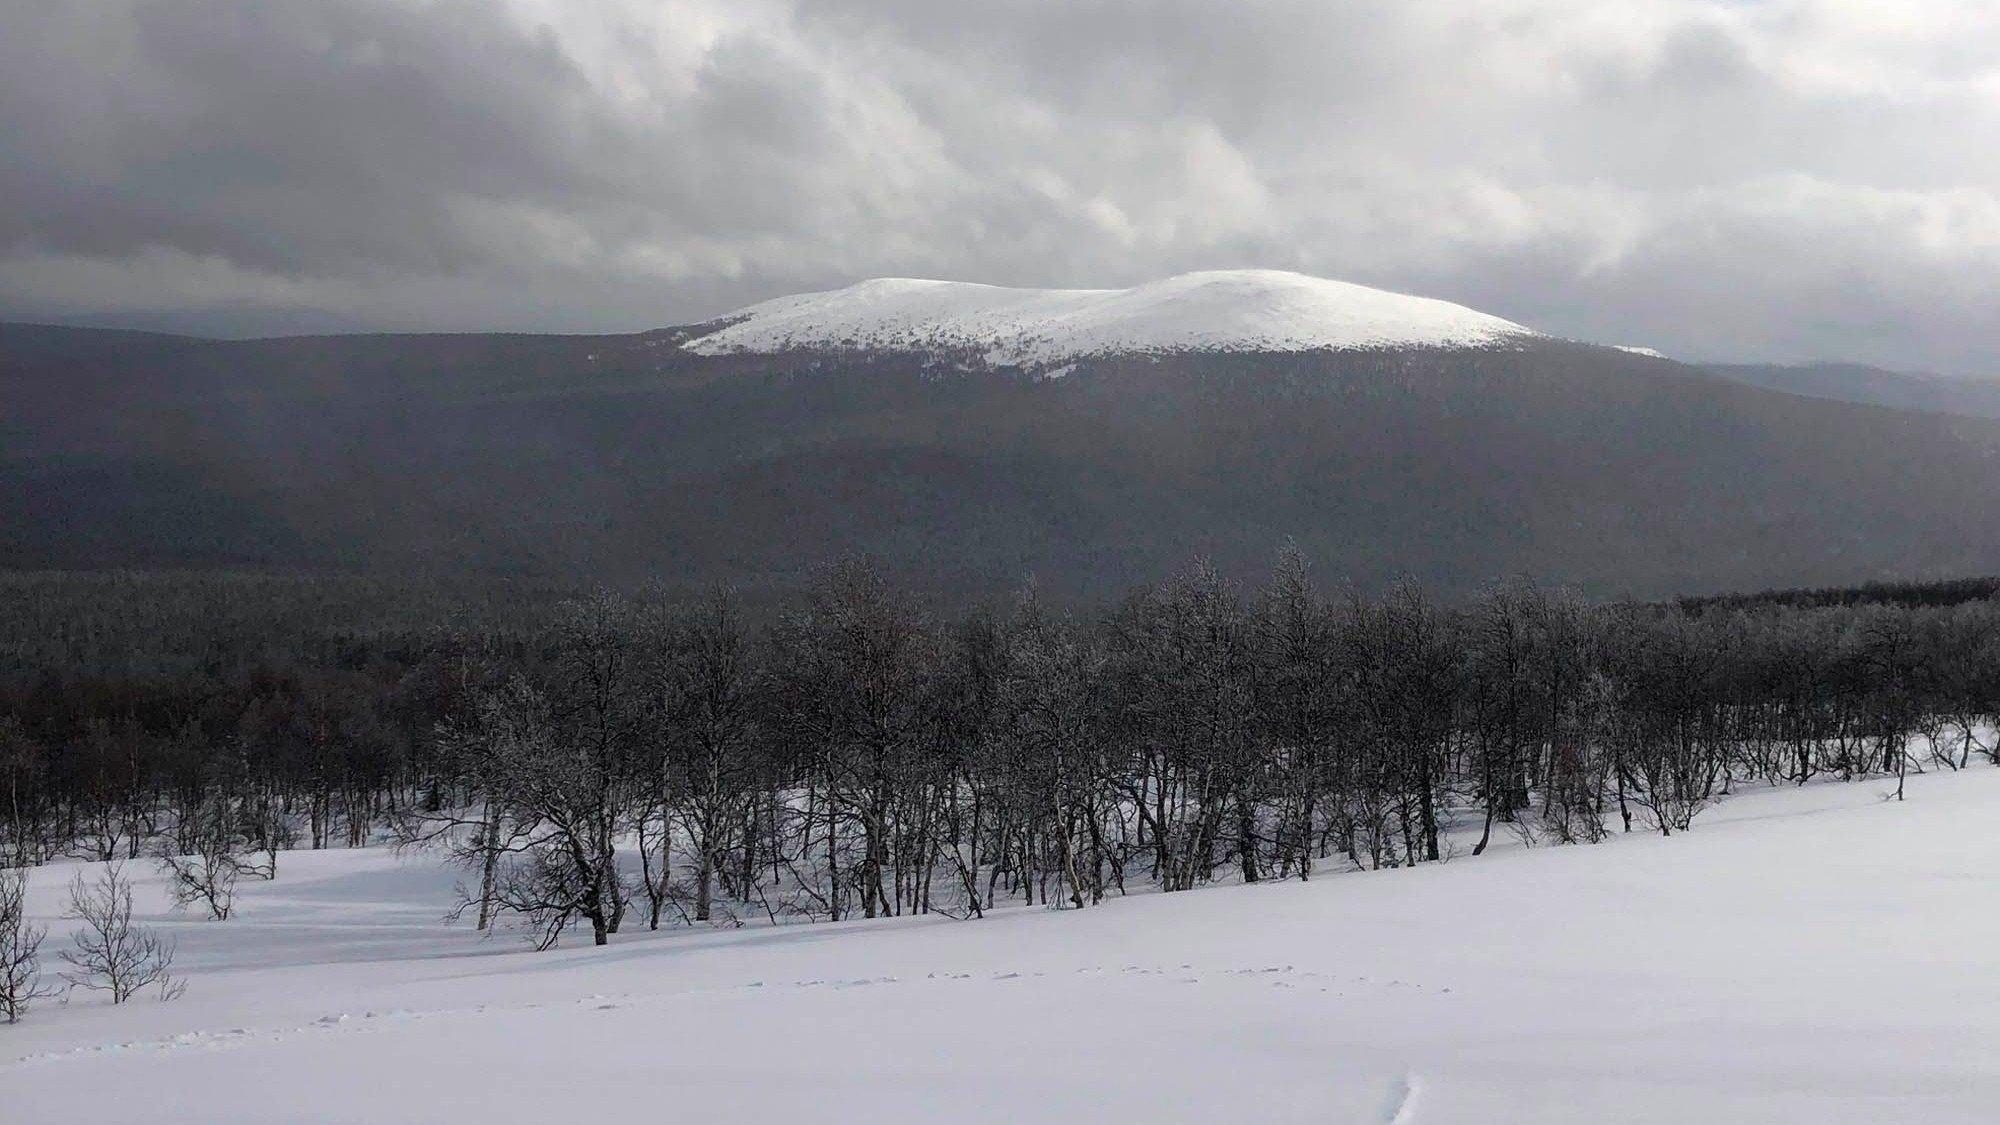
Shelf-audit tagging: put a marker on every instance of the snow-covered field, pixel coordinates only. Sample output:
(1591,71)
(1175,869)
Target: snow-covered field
(1241,310)
(1814,956)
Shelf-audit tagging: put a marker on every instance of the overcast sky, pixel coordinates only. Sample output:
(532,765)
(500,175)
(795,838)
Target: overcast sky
(1783,179)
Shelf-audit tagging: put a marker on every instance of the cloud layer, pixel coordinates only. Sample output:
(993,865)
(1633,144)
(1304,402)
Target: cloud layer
(1774,179)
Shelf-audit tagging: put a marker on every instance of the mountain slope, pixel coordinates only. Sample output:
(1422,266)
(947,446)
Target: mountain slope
(1212,311)
(627,458)
(1853,382)
(1724,975)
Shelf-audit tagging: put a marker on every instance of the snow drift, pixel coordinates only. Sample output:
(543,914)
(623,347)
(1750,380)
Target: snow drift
(1218,310)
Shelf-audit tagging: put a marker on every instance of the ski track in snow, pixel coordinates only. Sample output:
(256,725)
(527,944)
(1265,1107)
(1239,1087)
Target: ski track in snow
(1402,1109)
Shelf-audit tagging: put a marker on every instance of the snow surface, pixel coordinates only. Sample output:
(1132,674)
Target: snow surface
(1232,310)
(1814,955)
(1636,349)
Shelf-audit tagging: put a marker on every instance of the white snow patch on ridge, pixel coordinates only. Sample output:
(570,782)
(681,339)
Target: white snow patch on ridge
(1216,310)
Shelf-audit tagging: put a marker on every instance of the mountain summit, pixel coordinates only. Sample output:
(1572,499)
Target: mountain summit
(1209,311)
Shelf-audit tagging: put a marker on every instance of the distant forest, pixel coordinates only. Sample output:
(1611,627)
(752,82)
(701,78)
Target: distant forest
(619,759)
(1952,592)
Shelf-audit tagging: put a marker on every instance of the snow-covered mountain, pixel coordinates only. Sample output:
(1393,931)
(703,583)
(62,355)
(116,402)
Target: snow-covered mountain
(1216,310)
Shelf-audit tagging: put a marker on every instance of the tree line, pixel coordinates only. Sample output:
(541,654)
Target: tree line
(616,760)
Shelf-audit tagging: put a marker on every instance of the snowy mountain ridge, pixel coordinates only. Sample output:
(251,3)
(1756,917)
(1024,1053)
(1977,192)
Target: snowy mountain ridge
(1214,310)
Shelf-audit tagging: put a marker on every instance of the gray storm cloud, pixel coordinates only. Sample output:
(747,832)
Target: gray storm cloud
(1718,179)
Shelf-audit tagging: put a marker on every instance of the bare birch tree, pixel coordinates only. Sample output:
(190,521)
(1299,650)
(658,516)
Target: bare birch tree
(20,948)
(110,954)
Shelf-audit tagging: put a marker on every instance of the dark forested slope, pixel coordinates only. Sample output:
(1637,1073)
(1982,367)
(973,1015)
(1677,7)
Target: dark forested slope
(625,459)
(1854,382)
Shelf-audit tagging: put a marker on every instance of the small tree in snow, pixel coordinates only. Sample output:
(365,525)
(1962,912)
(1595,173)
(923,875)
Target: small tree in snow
(208,874)
(109,953)
(20,944)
